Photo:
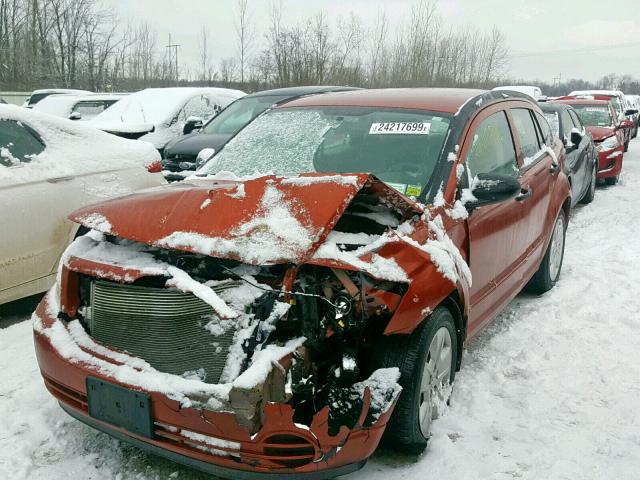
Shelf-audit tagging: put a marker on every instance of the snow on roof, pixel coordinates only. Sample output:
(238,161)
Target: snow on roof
(158,105)
(614,93)
(58,90)
(71,148)
(62,105)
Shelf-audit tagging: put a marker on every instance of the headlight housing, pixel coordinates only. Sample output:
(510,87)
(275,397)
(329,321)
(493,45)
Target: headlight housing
(608,143)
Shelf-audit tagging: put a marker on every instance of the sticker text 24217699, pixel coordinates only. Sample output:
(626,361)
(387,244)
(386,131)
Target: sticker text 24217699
(405,128)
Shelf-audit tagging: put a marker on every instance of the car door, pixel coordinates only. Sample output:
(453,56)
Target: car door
(574,159)
(538,168)
(584,164)
(34,204)
(495,246)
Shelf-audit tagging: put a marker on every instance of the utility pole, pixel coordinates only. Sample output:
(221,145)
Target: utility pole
(172,56)
(558,79)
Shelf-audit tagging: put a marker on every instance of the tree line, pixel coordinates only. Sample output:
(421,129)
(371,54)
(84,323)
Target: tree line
(78,44)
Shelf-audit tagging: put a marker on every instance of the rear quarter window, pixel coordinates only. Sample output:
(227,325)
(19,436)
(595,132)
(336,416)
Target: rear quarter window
(18,143)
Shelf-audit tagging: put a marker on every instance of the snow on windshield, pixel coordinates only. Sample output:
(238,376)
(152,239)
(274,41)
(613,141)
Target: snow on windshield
(287,142)
(594,116)
(400,147)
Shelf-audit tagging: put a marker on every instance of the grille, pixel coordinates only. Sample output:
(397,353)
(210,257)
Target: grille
(288,450)
(160,325)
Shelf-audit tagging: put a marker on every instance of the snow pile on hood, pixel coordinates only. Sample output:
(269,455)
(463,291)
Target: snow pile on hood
(72,148)
(274,233)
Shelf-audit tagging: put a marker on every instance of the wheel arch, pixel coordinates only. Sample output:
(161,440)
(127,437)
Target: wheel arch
(453,303)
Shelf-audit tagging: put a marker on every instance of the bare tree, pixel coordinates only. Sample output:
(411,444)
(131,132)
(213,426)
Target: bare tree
(245,36)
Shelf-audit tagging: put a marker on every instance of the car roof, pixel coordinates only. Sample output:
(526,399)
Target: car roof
(299,91)
(445,100)
(608,93)
(554,106)
(582,101)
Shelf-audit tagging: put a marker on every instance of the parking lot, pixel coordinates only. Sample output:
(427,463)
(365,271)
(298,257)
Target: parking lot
(548,391)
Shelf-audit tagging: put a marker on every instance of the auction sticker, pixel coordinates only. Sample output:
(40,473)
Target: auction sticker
(401,187)
(402,128)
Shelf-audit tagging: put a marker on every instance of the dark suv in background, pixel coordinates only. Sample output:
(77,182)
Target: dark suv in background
(180,154)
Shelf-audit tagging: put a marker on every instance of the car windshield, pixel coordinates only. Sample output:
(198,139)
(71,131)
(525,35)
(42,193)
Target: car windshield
(233,118)
(554,122)
(594,116)
(399,146)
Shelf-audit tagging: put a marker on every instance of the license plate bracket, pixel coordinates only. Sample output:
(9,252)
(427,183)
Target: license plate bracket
(120,406)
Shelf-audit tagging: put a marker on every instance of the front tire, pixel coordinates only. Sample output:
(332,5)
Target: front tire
(427,361)
(549,272)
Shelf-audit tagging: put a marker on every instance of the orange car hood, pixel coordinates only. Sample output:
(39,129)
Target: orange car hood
(269,219)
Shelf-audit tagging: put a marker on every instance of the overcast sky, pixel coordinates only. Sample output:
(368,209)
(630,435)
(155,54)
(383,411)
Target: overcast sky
(546,37)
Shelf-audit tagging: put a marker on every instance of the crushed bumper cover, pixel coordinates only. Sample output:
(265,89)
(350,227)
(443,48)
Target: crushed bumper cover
(610,163)
(280,449)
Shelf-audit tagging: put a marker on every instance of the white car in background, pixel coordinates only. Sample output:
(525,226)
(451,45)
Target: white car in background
(78,107)
(49,167)
(39,95)
(531,90)
(157,115)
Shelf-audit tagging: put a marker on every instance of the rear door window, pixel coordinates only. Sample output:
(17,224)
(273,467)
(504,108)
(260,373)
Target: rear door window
(492,150)
(567,124)
(545,130)
(576,121)
(18,143)
(526,130)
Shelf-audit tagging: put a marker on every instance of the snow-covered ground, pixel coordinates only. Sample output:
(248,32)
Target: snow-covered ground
(550,391)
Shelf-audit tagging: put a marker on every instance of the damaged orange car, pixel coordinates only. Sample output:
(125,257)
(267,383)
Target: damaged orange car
(277,325)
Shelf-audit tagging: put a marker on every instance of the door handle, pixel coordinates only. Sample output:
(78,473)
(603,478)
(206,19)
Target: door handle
(524,194)
(554,167)
(59,179)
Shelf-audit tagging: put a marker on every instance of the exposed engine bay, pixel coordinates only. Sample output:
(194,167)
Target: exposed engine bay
(335,315)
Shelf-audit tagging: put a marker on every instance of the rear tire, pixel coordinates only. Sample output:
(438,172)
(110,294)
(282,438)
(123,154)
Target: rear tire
(626,146)
(549,272)
(426,372)
(591,191)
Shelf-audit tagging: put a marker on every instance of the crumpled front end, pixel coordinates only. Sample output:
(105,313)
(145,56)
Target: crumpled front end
(219,442)
(257,369)
(242,339)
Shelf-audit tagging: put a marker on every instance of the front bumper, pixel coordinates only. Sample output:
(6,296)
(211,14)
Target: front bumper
(610,162)
(280,449)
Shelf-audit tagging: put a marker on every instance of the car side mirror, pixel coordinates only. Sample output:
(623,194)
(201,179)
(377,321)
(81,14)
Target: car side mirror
(631,111)
(489,188)
(576,137)
(204,156)
(75,116)
(193,123)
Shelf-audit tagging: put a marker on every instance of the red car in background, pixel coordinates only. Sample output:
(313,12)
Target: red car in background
(601,121)
(620,105)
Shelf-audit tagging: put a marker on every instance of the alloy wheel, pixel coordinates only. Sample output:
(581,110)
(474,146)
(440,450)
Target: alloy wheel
(556,248)
(435,378)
